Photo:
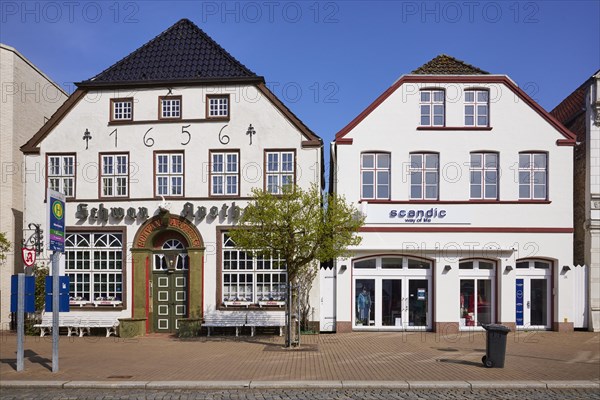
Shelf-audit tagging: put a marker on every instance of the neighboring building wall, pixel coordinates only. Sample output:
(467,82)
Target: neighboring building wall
(28,98)
(580,112)
(592,192)
(505,232)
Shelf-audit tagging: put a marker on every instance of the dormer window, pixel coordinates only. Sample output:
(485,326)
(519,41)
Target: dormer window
(170,107)
(432,107)
(121,109)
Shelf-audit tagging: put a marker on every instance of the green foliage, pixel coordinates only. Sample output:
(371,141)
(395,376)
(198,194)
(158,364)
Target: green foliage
(297,227)
(4,246)
(40,273)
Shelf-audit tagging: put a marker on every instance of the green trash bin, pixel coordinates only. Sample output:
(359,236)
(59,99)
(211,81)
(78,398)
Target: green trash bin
(495,345)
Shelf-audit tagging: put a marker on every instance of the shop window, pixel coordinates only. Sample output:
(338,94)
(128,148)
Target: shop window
(251,278)
(94,264)
(476,292)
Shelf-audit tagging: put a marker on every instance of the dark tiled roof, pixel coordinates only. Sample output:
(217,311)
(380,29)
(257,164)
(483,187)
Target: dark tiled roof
(571,108)
(182,52)
(446,65)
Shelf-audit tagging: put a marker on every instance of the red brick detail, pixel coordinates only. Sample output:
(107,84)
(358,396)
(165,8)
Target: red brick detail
(563,327)
(343,326)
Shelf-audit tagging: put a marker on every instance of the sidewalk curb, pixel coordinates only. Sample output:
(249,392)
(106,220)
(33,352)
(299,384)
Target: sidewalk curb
(232,385)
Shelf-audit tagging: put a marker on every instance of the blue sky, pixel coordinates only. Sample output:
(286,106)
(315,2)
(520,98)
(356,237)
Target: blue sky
(326,60)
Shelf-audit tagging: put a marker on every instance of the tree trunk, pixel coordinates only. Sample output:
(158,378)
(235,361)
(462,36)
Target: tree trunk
(292,313)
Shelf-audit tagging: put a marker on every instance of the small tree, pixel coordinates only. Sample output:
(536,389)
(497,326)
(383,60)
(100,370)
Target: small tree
(301,229)
(4,246)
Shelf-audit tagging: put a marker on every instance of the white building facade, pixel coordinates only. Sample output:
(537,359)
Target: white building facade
(465,183)
(29,98)
(157,156)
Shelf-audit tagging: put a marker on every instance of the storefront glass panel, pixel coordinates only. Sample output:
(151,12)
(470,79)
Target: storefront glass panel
(365,302)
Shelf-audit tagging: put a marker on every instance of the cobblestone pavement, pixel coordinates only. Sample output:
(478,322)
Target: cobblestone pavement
(293,394)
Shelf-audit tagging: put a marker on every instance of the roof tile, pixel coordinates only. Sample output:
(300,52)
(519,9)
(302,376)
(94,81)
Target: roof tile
(182,52)
(446,65)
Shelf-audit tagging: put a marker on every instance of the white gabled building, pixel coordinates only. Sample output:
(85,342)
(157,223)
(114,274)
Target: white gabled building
(466,185)
(157,156)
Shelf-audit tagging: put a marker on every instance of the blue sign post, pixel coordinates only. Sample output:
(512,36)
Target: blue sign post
(56,243)
(63,292)
(56,223)
(29,294)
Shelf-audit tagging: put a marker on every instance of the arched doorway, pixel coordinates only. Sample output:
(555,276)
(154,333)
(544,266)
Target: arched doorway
(167,272)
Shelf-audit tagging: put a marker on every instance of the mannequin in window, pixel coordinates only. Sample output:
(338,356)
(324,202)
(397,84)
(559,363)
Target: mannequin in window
(364,306)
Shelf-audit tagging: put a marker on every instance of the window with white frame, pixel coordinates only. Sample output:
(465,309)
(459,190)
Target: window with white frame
(432,107)
(484,176)
(251,277)
(169,174)
(177,249)
(476,108)
(424,176)
(114,175)
(94,265)
(61,174)
(224,174)
(533,176)
(280,170)
(122,109)
(170,107)
(218,106)
(375,176)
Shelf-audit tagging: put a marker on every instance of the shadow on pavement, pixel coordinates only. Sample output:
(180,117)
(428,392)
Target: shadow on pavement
(32,356)
(463,362)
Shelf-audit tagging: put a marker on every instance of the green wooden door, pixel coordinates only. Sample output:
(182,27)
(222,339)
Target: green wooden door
(170,301)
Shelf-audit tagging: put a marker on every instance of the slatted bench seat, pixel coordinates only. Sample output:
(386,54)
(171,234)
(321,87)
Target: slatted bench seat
(238,319)
(79,324)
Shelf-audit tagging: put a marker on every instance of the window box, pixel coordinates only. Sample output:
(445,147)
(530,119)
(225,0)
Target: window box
(271,303)
(113,303)
(237,303)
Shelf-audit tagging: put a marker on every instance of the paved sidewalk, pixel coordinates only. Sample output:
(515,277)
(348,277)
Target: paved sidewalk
(360,359)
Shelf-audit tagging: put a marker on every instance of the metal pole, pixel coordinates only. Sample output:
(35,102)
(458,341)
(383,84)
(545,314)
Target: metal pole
(55,309)
(20,321)
(288,339)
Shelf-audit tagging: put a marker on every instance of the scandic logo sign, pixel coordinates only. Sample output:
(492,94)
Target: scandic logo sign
(418,215)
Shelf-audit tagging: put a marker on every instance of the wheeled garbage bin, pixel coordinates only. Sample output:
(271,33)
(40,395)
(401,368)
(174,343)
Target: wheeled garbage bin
(495,345)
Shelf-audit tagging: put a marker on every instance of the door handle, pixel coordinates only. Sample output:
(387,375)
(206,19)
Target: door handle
(528,304)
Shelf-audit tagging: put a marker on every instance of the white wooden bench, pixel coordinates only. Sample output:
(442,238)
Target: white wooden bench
(79,324)
(238,319)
